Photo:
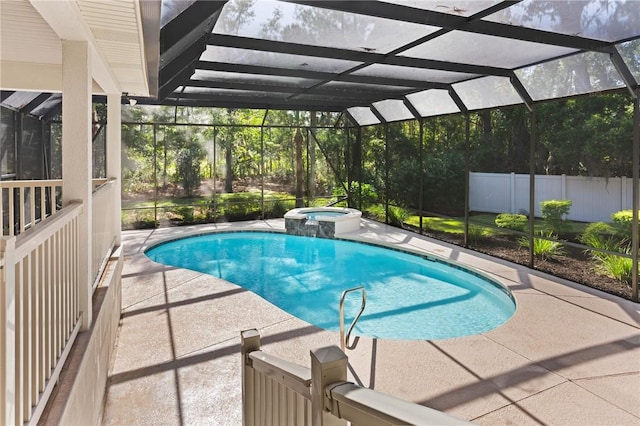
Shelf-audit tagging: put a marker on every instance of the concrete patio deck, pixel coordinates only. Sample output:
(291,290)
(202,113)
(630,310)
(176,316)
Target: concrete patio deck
(569,356)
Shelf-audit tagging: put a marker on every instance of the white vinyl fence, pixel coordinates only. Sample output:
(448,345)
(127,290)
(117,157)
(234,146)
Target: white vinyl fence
(594,198)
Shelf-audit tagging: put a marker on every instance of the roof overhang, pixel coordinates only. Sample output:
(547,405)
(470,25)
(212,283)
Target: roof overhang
(123,39)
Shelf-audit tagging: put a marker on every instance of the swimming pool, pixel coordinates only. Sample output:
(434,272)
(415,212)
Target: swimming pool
(408,296)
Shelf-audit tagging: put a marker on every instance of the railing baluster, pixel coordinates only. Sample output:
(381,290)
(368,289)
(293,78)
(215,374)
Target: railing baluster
(28,344)
(12,212)
(43,202)
(19,334)
(32,206)
(47,317)
(41,295)
(22,209)
(2,210)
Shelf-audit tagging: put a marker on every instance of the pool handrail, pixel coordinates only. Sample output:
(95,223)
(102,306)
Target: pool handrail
(344,341)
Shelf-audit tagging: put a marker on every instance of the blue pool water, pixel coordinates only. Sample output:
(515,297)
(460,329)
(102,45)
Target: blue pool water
(315,215)
(408,296)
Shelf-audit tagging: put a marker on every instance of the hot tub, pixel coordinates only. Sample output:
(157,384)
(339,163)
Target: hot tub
(324,222)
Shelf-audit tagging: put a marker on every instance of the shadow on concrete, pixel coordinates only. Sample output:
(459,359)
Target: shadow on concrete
(493,385)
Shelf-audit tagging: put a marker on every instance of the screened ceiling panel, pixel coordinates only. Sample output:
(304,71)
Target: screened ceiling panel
(18,100)
(487,92)
(460,8)
(242,78)
(393,110)
(433,102)
(277,60)
(295,23)
(601,20)
(576,75)
(372,89)
(479,49)
(414,73)
(363,116)
(233,92)
(630,52)
(330,55)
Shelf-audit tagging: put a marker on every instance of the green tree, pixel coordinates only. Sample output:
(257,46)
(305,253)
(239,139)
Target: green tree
(188,161)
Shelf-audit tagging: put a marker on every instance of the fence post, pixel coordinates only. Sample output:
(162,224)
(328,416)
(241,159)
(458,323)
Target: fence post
(7,331)
(328,365)
(512,193)
(249,342)
(623,193)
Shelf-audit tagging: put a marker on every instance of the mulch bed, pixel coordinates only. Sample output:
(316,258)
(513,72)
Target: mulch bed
(574,266)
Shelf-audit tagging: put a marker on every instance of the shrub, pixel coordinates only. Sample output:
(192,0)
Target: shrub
(397,215)
(595,232)
(554,212)
(544,248)
(185,213)
(609,264)
(366,190)
(622,223)
(516,222)
(476,233)
(617,267)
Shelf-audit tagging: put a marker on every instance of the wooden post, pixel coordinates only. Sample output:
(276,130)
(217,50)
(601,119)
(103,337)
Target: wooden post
(249,342)
(114,169)
(328,365)
(77,160)
(7,331)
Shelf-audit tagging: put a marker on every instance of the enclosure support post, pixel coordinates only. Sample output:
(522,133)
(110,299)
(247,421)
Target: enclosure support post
(635,230)
(360,164)
(155,173)
(467,136)
(421,179)
(262,164)
(532,182)
(386,173)
(214,170)
(347,161)
(307,189)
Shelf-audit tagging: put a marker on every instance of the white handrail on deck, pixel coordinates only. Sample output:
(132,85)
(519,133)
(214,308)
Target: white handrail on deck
(103,238)
(278,392)
(28,202)
(40,309)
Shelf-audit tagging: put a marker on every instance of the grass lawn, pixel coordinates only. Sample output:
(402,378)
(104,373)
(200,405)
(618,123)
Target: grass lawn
(455,225)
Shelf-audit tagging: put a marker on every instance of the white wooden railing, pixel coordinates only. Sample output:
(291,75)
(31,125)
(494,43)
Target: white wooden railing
(28,202)
(40,310)
(31,201)
(278,392)
(103,238)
